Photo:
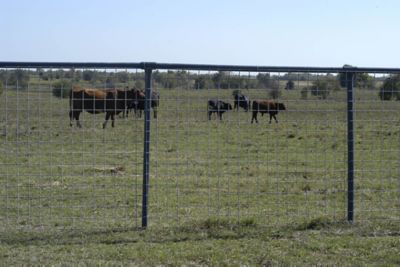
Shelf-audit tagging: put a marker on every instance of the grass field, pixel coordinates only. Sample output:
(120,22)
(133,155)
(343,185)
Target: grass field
(229,192)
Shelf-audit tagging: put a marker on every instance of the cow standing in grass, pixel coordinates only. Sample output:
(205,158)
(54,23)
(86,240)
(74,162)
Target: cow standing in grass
(266,106)
(138,103)
(94,101)
(217,106)
(241,101)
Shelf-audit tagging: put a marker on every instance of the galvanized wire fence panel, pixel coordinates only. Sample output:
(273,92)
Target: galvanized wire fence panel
(241,172)
(204,167)
(377,148)
(54,176)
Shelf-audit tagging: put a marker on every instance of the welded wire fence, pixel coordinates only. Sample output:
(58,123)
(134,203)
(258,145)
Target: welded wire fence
(196,143)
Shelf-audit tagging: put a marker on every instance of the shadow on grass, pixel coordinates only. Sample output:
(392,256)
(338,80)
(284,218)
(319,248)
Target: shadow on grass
(212,228)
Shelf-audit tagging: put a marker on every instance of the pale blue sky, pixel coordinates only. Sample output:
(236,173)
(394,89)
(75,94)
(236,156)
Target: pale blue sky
(363,33)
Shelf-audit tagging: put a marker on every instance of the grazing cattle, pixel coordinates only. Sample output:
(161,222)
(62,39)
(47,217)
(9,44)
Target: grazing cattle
(132,103)
(266,106)
(217,106)
(94,101)
(241,101)
(138,104)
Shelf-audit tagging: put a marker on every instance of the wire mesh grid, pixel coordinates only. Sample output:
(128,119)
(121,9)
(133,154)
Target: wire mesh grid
(239,171)
(54,176)
(210,160)
(377,166)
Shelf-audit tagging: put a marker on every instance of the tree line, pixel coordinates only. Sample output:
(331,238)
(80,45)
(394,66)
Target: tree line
(320,85)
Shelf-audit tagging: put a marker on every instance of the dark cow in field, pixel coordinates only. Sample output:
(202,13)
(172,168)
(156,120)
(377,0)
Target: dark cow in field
(138,103)
(94,101)
(241,101)
(217,106)
(266,106)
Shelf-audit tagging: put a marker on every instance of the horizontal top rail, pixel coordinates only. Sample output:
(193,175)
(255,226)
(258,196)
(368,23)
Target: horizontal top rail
(199,67)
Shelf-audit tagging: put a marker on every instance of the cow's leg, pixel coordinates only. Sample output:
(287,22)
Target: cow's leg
(272,116)
(71,118)
(275,118)
(209,115)
(76,116)
(254,117)
(112,120)
(220,116)
(106,120)
(155,113)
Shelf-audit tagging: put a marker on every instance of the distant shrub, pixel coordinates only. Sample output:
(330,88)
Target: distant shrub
(61,88)
(323,86)
(18,78)
(289,85)
(275,93)
(390,88)
(304,93)
(200,82)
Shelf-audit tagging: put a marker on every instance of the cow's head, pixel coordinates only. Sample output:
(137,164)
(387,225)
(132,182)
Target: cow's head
(137,94)
(281,106)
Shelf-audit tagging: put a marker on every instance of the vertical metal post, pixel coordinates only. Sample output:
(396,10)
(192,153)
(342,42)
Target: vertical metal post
(146,151)
(350,145)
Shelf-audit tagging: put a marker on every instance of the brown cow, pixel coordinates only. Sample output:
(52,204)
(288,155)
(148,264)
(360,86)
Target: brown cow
(94,101)
(266,106)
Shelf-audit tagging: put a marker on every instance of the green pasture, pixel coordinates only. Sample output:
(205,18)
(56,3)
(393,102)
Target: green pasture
(227,192)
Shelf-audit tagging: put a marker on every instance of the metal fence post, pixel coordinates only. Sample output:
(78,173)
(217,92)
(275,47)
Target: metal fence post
(146,151)
(350,145)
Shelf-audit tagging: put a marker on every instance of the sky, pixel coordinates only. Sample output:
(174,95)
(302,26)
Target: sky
(317,33)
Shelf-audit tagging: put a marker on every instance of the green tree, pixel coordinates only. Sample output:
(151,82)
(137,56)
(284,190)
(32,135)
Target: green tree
(264,80)
(69,74)
(122,76)
(3,76)
(89,75)
(220,80)
(201,82)
(59,74)
(274,93)
(19,78)
(289,85)
(304,93)
(324,85)
(77,75)
(390,88)
(364,81)
(165,79)
(61,88)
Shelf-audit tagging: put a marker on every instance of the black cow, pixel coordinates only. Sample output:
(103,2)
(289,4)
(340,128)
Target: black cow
(138,103)
(266,106)
(94,101)
(241,101)
(217,106)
